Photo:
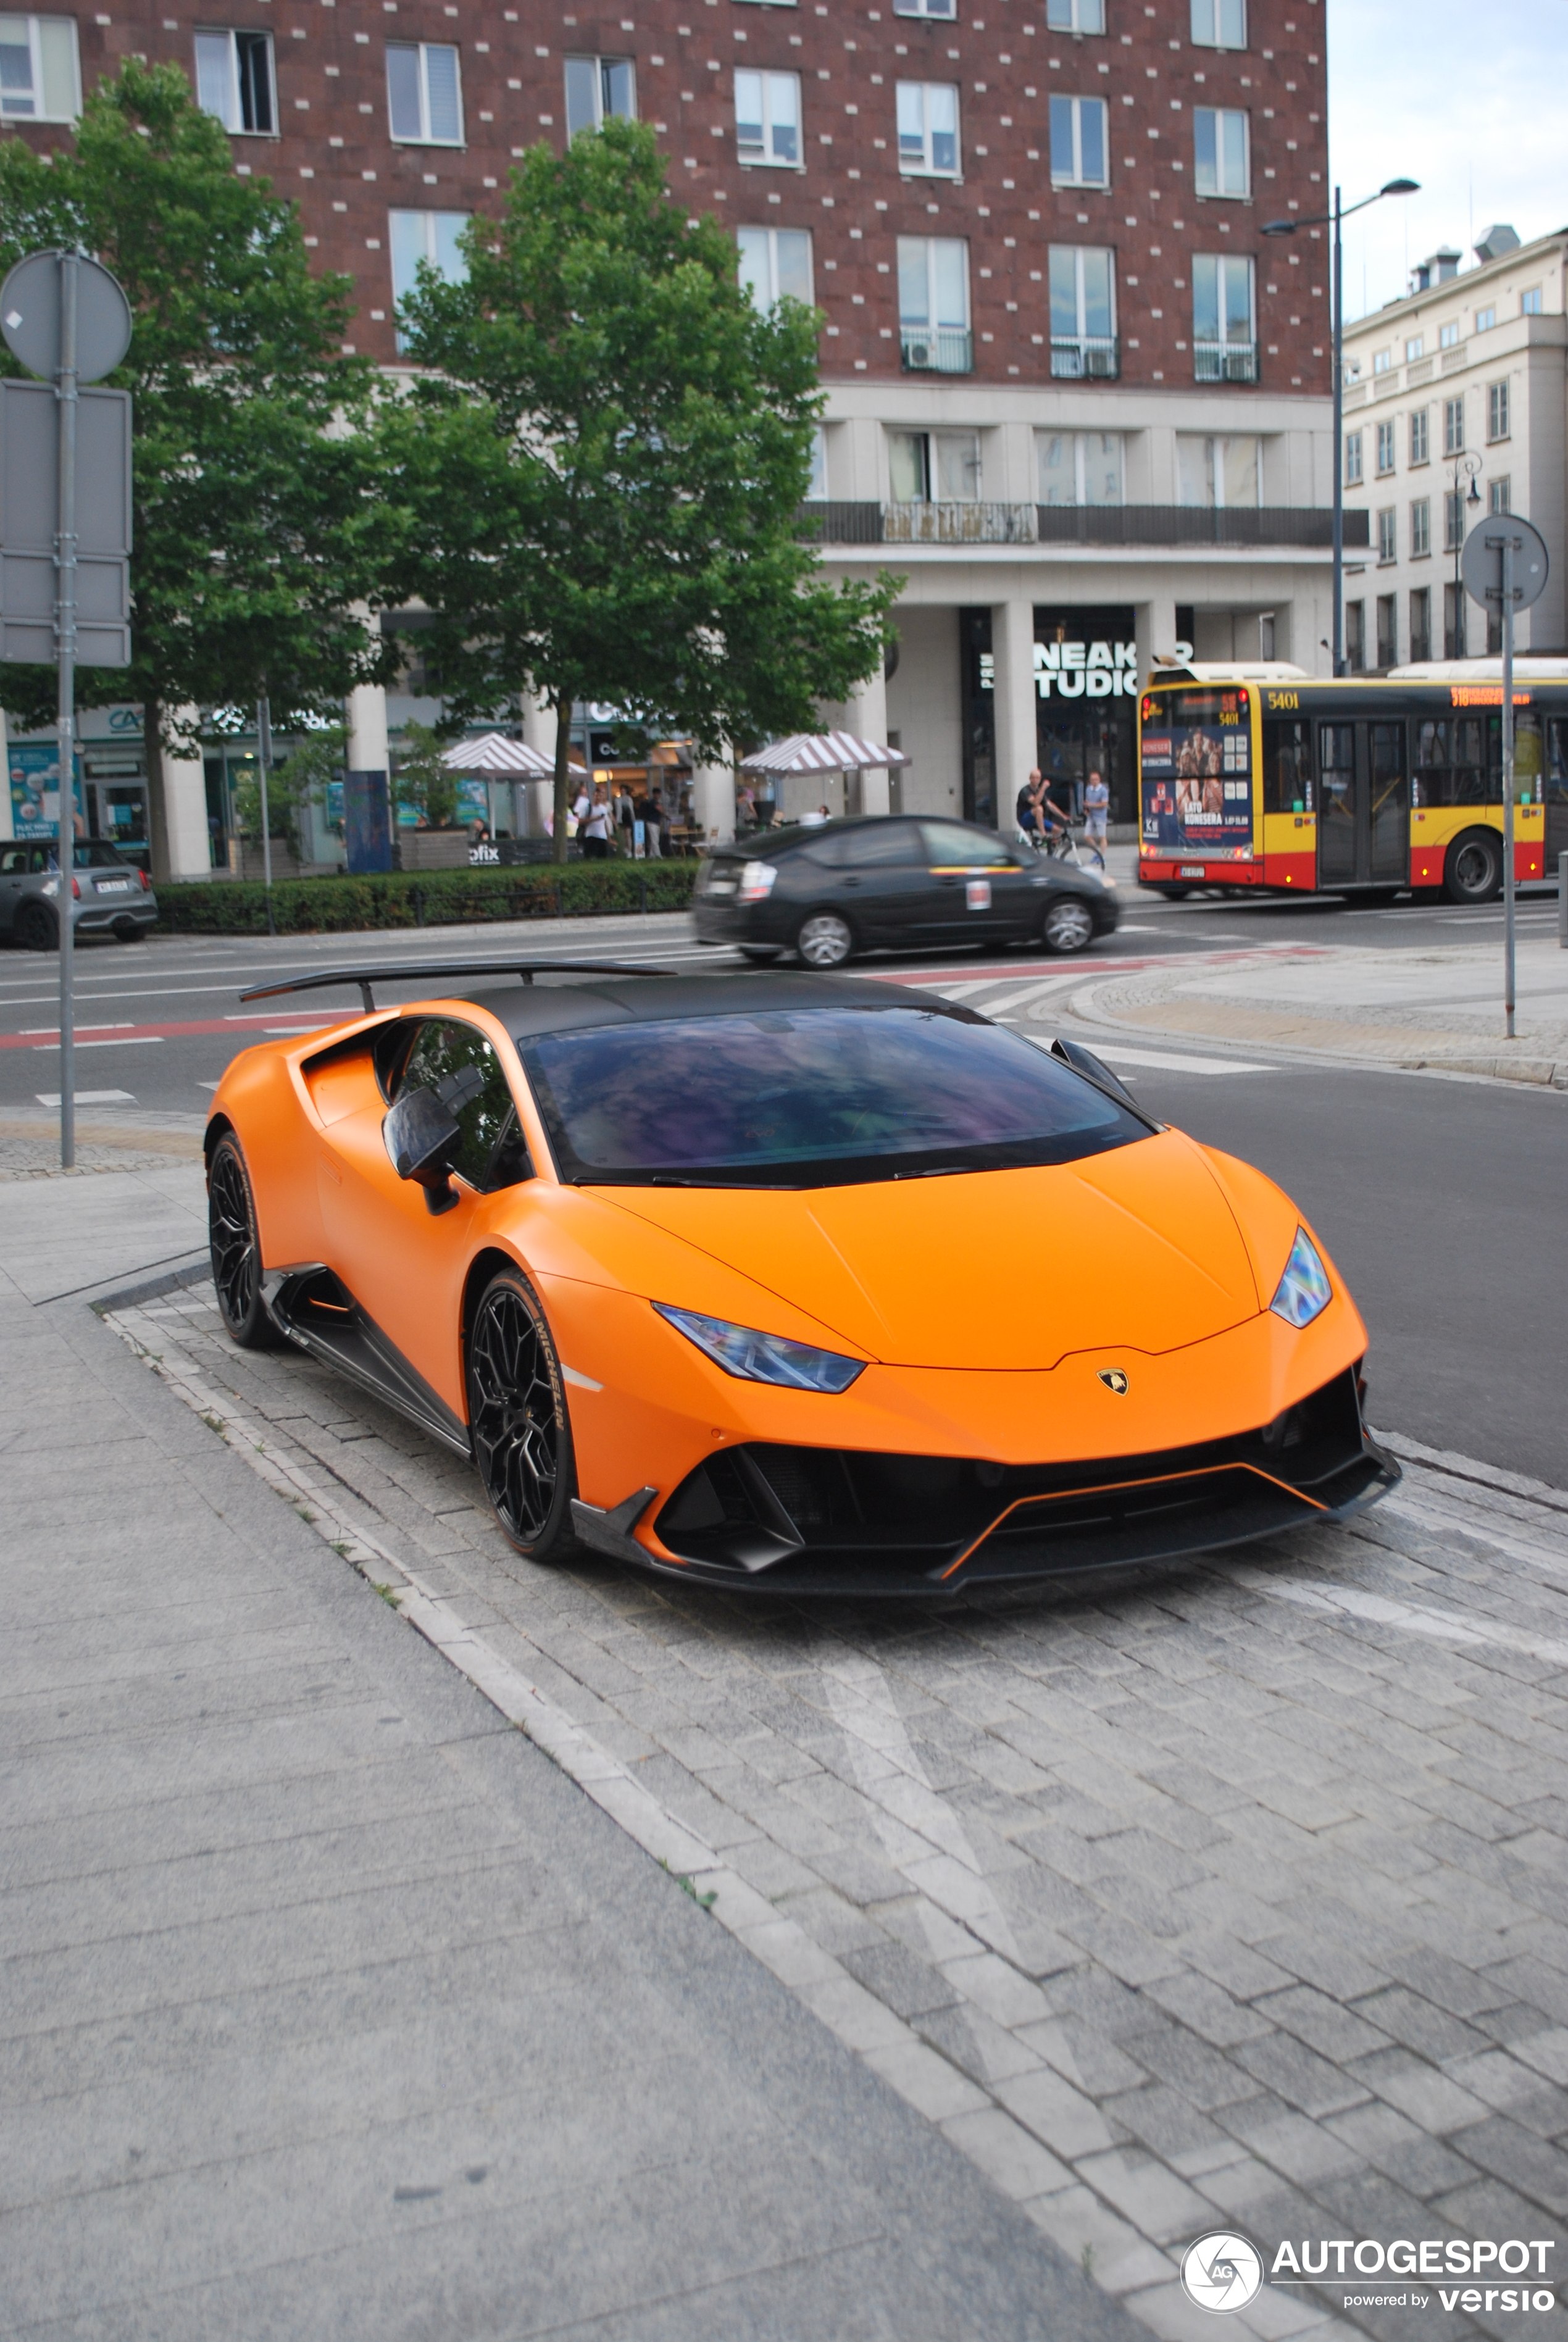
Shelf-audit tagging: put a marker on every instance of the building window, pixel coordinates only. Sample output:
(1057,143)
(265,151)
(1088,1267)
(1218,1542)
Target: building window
(1352,459)
(425,235)
(1420,437)
(1387,547)
(775,263)
(234,80)
(1384,448)
(934,466)
(1454,642)
(1078,142)
(1448,337)
(928,129)
(1530,301)
(1500,495)
(1083,311)
(934,304)
(1075,15)
(816,486)
(1452,520)
(944,8)
(600,90)
(1420,623)
(40,80)
(767,117)
(1414,349)
(1453,425)
(1224,336)
(1419,527)
(1382,360)
(1497,410)
(1485,319)
(1219,152)
(1079,468)
(1220,24)
(1222,473)
(1387,628)
(423,98)
(1356,637)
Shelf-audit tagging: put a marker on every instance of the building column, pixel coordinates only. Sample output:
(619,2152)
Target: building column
(714,801)
(185,812)
(365,711)
(1014,702)
(868,721)
(539,730)
(1157,630)
(7,827)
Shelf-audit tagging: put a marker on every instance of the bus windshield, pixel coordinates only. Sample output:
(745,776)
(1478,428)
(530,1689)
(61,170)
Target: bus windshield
(1197,771)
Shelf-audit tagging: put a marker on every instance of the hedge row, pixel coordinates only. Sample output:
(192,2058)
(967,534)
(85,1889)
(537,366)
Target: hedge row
(428,898)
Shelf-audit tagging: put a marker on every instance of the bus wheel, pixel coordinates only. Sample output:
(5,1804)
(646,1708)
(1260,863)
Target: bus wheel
(1472,871)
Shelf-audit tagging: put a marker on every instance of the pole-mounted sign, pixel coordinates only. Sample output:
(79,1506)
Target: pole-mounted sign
(64,525)
(1504,567)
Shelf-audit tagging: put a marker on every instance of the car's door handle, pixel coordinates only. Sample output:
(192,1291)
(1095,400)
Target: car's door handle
(851,882)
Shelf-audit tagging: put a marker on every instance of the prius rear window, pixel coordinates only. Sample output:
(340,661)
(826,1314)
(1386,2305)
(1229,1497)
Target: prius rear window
(812,1097)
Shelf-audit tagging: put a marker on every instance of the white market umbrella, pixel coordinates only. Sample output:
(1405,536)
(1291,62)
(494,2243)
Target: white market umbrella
(492,753)
(822,752)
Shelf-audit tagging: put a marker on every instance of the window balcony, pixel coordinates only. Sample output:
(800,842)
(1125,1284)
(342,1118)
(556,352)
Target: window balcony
(1224,361)
(1087,357)
(833,522)
(942,349)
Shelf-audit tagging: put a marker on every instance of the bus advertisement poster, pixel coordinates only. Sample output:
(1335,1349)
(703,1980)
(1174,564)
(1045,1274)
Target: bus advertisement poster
(1197,789)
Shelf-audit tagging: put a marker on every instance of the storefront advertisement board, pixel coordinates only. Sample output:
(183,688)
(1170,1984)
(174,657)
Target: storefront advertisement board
(1196,777)
(34,777)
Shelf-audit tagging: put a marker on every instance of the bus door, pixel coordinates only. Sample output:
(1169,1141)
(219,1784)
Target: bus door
(1363,805)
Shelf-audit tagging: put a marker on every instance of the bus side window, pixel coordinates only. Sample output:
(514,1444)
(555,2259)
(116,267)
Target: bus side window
(1287,767)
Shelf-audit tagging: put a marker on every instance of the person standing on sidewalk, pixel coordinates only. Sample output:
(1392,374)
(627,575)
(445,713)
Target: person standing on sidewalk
(1097,813)
(594,828)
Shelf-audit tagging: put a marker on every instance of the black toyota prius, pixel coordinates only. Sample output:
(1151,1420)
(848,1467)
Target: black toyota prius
(894,884)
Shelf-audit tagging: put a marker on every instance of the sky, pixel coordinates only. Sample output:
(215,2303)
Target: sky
(1461,98)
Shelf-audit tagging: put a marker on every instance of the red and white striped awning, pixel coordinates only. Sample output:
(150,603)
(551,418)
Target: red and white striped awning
(495,754)
(822,752)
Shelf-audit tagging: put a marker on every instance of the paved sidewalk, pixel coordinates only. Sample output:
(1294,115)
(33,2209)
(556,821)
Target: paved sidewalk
(1223,1894)
(329,2006)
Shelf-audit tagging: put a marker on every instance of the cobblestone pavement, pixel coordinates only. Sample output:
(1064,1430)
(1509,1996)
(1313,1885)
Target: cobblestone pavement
(1230,1894)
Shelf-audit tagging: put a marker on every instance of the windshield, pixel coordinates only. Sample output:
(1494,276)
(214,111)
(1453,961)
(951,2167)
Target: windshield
(811,1098)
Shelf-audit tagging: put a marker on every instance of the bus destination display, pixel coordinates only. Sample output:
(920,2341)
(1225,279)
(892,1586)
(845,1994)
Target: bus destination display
(1196,779)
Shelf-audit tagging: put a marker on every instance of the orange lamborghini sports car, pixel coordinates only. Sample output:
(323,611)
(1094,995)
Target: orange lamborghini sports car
(787,1281)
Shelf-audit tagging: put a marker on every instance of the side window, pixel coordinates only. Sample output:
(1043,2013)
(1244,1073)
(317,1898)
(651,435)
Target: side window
(882,843)
(12,862)
(952,848)
(463,1069)
(1287,767)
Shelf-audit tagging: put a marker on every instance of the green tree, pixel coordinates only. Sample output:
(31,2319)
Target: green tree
(604,464)
(257,523)
(299,780)
(422,781)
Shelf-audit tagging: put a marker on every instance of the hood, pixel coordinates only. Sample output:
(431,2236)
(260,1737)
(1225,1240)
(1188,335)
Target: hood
(1136,1250)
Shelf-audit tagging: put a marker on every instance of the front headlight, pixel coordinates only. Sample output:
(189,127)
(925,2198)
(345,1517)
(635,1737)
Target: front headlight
(1304,1291)
(756,1357)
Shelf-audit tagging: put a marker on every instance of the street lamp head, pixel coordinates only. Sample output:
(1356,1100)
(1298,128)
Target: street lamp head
(1280,227)
(1400,188)
(1474,496)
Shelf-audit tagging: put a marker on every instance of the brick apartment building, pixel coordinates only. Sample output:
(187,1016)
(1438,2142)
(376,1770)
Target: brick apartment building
(1073,394)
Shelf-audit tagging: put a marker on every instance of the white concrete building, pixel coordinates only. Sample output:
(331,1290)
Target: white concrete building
(1456,405)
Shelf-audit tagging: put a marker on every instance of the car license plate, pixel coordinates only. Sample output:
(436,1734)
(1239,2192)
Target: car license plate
(1192,870)
(977,894)
(114,886)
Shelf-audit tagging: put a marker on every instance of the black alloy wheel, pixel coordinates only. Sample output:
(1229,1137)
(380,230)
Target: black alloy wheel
(36,928)
(1068,925)
(1473,869)
(518,1417)
(236,1250)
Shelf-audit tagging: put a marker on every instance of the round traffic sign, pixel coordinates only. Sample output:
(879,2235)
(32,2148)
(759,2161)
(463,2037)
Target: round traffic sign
(30,316)
(1481,563)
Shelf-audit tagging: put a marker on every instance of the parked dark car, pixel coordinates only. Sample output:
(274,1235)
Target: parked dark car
(896,883)
(109,894)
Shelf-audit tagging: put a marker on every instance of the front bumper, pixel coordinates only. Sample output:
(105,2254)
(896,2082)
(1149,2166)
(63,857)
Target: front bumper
(836,1521)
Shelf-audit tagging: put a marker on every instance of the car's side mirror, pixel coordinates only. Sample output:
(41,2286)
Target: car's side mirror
(1094,1069)
(422,1140)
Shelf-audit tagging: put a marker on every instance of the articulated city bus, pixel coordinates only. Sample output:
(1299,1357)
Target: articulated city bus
(1263,777)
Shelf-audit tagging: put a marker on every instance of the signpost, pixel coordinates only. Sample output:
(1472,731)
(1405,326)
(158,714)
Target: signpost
(64,317)
(1504,567)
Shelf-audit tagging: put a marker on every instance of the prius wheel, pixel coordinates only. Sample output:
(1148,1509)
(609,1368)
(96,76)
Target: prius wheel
(236,1249)
(1067,926)
(518,1417)
(824,940)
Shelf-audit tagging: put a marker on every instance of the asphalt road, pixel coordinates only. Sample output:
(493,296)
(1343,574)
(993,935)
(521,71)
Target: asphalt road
(1441,1199)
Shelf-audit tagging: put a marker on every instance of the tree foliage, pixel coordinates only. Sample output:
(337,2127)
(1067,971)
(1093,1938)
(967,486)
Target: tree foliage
(257,517)
(603,467)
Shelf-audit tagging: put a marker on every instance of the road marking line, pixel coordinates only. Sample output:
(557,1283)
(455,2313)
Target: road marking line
(105,1025)
(135,1041)
(87,1098)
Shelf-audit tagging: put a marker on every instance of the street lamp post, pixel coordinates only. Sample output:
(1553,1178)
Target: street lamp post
(1465,467)
(1288,227)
